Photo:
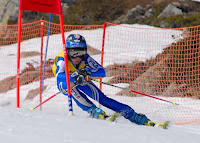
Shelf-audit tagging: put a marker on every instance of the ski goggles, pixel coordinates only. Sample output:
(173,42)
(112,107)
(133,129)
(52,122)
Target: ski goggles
(74,53)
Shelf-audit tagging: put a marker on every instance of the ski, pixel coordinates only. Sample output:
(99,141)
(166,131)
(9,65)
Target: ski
(162,125)
(113,117)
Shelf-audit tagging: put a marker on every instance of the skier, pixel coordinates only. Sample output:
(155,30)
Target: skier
(81,65)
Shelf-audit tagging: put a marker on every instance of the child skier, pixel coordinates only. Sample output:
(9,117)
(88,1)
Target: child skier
(81,65)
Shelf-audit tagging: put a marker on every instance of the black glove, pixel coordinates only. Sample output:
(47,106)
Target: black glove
(82,72)
(81,77)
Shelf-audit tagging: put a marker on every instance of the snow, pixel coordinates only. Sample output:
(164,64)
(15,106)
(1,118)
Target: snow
(19,125)
(53,124)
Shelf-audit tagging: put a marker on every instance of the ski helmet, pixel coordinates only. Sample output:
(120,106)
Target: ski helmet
(76,46)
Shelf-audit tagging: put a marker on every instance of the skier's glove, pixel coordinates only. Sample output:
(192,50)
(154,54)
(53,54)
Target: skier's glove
(82,71)
(82,76)
(80,79)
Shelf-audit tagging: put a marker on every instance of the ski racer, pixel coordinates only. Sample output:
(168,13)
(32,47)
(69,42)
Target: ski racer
(81,65)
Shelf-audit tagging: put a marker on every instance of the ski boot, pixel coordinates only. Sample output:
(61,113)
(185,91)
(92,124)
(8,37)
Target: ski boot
(97,113)
(102,115)
(149,123)
(139,119)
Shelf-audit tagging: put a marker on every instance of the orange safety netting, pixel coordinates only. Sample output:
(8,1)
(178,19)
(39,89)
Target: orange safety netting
(163,63)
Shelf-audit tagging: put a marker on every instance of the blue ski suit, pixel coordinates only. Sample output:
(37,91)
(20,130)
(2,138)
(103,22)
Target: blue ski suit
(80,92)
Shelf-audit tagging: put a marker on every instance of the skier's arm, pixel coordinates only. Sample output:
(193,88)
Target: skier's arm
(94,68)
(60,73)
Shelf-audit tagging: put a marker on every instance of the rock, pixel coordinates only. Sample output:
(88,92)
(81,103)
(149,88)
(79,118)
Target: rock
(176,4)
(170,10)
(64,7)
(150,12)
(9,8)
(148,6)
(136,12)
(120,19)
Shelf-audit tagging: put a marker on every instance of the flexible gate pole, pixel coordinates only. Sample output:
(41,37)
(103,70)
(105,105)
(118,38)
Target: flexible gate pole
(50,98)
(45,56)
(174,103)
(41,62)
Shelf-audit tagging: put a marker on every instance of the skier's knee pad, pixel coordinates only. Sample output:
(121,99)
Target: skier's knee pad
(138,119)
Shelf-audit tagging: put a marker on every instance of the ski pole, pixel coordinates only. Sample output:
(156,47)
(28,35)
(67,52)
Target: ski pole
(174,103)
(47,43)
(44,66)
(50,98)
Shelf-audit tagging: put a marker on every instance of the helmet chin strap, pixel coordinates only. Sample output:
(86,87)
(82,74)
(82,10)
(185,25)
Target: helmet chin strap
(77,65)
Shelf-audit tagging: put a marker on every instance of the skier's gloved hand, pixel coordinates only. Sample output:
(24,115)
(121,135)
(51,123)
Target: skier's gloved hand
(80,79)
(88,70)
(82,72)
(81,76)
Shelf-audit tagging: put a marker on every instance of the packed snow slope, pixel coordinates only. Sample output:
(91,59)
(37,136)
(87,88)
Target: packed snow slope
(19,125)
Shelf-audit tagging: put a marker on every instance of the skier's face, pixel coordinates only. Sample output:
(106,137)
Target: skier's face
(76,60)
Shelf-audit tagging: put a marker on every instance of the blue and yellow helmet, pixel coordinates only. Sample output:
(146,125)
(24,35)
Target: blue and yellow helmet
(76,46)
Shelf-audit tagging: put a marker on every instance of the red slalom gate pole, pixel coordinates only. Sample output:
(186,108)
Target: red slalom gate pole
(51,98)
(18,54)
(41,61)
(102,51)
(174,103)
(44,101)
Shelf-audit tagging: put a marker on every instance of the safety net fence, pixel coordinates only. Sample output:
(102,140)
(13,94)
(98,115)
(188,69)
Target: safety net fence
(157,68)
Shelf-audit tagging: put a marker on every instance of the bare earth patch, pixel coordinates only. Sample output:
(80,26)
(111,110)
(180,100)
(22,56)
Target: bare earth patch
(29,54)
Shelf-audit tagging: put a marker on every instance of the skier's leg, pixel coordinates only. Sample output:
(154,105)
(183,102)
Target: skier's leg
(125,110)
(83,102)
